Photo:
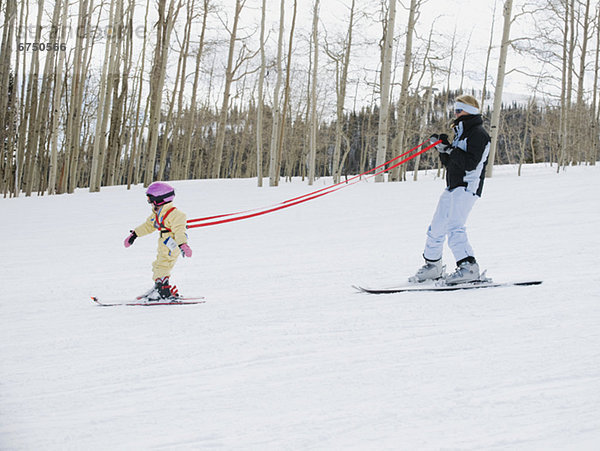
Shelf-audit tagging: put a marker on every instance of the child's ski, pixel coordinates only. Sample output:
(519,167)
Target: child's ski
(180,301)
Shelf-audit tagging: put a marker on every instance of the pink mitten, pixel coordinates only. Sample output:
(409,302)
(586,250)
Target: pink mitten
(130,239)
(186,250)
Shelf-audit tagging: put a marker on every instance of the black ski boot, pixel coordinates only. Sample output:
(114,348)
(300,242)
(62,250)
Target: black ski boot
(166,291)
(162,291)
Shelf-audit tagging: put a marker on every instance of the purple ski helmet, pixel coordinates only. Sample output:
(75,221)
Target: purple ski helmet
(160,193)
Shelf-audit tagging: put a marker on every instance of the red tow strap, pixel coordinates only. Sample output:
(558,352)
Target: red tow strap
(238,216)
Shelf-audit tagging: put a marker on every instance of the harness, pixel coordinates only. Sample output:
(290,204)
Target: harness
(160,225)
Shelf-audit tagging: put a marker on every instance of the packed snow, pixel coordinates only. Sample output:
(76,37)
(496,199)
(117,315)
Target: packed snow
(285,354)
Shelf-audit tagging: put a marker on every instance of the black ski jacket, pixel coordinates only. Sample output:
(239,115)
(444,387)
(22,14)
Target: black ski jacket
(465,165)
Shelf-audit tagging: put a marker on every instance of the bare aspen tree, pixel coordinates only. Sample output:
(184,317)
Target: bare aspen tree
(125,138)
(403,101)
(424,110)
(312,154)
(229,74)
(286,95)
(171,129)
(565,97)
(582,124)
(572,43)
(464,63)
(241,144)
(179,126)
(495,121)
(39,128)
(487,60)
(27,127)
(568,136)
(10,16)
(166,21)
(386,67)
(73,120)
(342,61)
(133,177)
(273,176)
(101,115)
(112,86)
(187,147)
(423,123)
(526,133)
(193,107)
(259,106)
(19,115)
(447,94)
(593,149)
(6,81)
(56,104)
(120,88)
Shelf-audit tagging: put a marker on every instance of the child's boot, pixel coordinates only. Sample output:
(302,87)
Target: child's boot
(161,291)
(166,291)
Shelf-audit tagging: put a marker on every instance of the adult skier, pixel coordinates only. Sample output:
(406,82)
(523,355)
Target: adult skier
(170,222)
(465,160)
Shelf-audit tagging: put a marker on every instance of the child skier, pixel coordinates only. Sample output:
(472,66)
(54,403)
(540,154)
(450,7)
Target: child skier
(465,161)
(171,225)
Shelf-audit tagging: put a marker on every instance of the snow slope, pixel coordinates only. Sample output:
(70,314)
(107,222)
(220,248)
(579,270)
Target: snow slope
(285,355)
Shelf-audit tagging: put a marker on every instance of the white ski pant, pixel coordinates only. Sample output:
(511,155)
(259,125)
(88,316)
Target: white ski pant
(449,220)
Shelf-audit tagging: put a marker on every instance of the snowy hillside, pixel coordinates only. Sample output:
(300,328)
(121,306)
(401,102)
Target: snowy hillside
(285,354)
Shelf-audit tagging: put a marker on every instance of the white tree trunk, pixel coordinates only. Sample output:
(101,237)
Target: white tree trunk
(273,165)
(286,95)
(134,163)
(595,123)
(403,102)
(341,82)
(56,104)
(6,110)
(193,107)
(499,85)
(32,108)
(157,80)
(487,60)
(220,141)
(387,50)
(259,108)
(100,114)
(312,155)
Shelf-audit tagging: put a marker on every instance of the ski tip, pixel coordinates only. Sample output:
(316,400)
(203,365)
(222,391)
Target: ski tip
(529,282)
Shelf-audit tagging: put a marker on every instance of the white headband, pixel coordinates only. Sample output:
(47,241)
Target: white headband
(468,108)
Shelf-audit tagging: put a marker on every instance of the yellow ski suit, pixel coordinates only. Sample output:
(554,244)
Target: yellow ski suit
(171,225)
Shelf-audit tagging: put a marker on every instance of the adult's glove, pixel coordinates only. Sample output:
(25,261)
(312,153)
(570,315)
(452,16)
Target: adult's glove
(444,146)
(185,250)
(130,239)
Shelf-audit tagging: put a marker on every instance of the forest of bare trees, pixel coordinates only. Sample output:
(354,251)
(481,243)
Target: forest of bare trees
(97,93)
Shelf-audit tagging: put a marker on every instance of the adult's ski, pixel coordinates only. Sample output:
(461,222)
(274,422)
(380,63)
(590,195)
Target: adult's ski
(180,301)
(460,286)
